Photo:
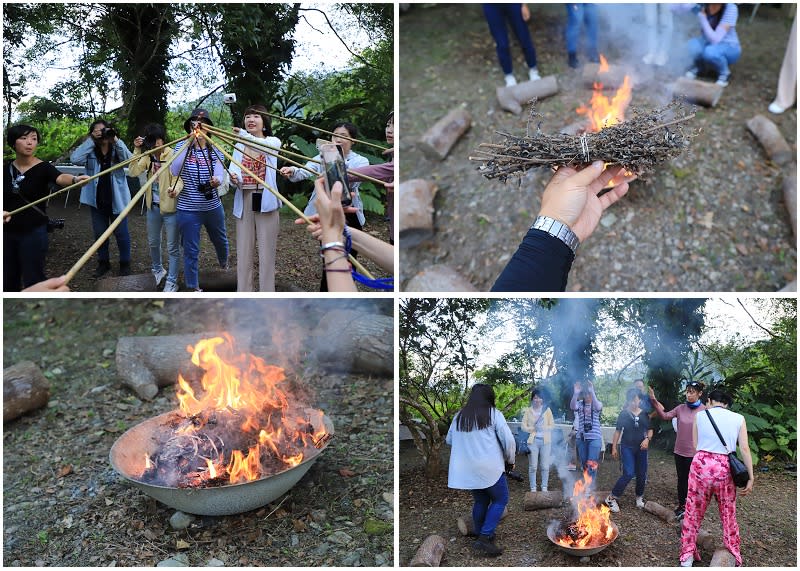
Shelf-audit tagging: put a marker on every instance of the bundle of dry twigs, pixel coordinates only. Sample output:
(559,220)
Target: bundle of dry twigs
(638,144)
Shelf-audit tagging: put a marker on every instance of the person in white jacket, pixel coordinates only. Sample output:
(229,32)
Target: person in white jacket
(254,207)
(482,448)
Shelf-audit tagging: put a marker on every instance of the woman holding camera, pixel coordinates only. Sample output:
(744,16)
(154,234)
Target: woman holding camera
(538,423)
(482,448)
(107,195)
(589,440)
(255,208)
(160,205)
(202,172)
(25,180)
(710,475)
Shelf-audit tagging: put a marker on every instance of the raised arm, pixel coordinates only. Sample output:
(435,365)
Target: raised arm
(79,155)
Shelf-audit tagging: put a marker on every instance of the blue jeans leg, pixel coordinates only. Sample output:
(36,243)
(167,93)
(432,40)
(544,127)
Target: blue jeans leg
(497,26)
(170,222)
(695,46)
(154,224)
(24,257)
(641,471)
(719,56)
(521,31)
(589,454)
(590,21)
(100,223)
(574,18)
(189,224)
(628,455)
(214,221)
(489,505)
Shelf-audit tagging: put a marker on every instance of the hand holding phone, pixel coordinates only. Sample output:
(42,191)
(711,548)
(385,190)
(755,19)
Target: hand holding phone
(335,170)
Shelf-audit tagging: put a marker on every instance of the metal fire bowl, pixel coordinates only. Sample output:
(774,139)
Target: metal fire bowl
(583,551)
(128,452)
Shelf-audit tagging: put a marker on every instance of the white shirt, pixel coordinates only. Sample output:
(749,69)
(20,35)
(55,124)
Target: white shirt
(729,424)
(476,458)
(269,201)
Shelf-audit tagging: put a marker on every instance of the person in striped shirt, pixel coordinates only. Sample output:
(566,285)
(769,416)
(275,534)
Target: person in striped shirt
(589,439)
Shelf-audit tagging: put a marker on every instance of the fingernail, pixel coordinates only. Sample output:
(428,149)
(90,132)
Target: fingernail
(597,164)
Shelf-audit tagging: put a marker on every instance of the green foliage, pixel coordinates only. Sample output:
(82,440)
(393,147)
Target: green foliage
(772,430)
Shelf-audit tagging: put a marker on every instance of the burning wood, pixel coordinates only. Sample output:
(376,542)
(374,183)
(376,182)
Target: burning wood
(237,427)
(592,529)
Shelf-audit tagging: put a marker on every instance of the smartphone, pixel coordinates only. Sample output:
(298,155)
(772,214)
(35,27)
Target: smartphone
(257,196)
(335,169)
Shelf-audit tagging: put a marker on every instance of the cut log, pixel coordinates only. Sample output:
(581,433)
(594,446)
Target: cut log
(789,186)
(657,509)
(218,280)
(767,133)
(430,553)
(439,278)
(467,527)
(416,216)
(134,282)
(705,540)
(702,92)
(541,500)
(355,342)
(24,389)
(444,134)
(722,558)
(612,78)
(513,97)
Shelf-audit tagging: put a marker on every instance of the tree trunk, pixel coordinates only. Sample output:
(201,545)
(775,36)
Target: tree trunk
(657,509)
(767,133)
(722,558)
(541,500)
(24,389)
(444,134)
(430,553)
(702,92)
(610,79)
(355,342)
(433,462)
(439,278)
(416,223)
(466,525)
(513,97)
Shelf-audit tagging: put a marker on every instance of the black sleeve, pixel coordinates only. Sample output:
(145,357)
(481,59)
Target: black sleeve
(52,173)
(541,263)
(620,421)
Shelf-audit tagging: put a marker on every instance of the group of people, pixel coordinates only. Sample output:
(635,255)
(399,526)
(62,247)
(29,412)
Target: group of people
(483,449)
(182,200)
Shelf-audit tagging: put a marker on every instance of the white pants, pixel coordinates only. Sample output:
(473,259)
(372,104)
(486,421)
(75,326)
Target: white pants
(261,227)
(539,457)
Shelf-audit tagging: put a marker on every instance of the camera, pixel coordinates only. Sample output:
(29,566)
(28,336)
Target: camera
(587,427)
(206,190)
(149,143)
(109,133)
(513,475)
(229,98)
(54,224)
(335,170)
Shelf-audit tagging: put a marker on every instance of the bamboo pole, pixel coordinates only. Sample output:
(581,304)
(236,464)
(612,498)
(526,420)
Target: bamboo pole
(98,175)
(118,220)
(284,200)
(322,130)
(228,137)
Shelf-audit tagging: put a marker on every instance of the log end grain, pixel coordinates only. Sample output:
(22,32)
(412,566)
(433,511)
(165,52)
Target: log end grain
(430,553)
(25,388)
(701,92)
(722,558)
(437,141)
(416,222)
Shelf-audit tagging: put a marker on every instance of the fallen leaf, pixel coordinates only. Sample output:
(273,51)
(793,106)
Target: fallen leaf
(181,544)
(346,473)
(708,220)
(158,303)
(742,249)
(64,470)
(299,525)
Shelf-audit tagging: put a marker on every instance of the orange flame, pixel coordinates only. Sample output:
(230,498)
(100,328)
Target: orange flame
(147,462)
(603,64)
(593,520)
(603,112)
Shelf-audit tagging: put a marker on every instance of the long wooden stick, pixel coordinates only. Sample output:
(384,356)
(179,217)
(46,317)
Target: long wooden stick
(275,151)
(321,130)
(284,200)
(228,137)
(118,220)
(98,175)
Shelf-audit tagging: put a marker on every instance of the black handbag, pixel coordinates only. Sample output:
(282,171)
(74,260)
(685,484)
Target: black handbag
(738,470)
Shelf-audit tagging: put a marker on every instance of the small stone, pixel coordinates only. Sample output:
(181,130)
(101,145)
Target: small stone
(380,560)
(340,538)
(295,540)
(180,520)
(351,560)
(322,549)
(215,563)
(585,559)
(179,560)
(319,516)
(388,497)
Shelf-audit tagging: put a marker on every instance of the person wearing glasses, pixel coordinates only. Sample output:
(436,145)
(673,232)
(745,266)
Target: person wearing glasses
(589,439)
(630,443)
(684,450)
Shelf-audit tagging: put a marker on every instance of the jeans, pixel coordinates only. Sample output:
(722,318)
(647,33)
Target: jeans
(23,258)
(189,224)
(100,223)
(716,56)
(587,14)
(539,458)
(155,221)
(589,454)
(496,16)
(682,465)
(634,463)
(488,506)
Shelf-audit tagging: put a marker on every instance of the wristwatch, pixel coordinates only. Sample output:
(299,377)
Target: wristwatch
(557,230)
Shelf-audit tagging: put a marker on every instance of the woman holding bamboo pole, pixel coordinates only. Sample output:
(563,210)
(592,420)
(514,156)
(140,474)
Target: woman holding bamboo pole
(202,172)
(26,179)
(256,211)
(107,195)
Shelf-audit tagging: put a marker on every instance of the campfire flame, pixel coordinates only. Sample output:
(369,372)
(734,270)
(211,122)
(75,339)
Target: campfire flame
(593,526)
(603,64)
(242,400)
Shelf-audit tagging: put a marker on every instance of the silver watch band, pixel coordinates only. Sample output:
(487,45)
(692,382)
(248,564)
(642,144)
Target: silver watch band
(557,230)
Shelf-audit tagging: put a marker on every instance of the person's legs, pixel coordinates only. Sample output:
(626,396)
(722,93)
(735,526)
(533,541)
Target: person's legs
(267,227)
(189,224)
(682,465)
(726,499)
(581,448)
(544,465)
(99,225)
(665,26)
(497,26)
(154,224)
(245,244)
(574,18)
(628,457)
(533,461)
(590,20)
(32,252)
(641,472)
(522,32)
(12,263)
(214,221)
(480,504)
(695,47)
(700,489)
(651,24)
(498,495)
(593,457)
(123,238)
(170,222)
(787,80)
(714,57)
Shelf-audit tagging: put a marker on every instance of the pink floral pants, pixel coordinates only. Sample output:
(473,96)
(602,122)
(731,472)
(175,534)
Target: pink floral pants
(710,476)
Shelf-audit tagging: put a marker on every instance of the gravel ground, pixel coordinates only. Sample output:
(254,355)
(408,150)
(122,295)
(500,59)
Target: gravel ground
(63,505)
(710,220)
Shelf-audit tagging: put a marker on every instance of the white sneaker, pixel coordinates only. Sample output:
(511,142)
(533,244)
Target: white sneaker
(159,275)
(691,74)
(775,108)
(170,287)
(510,80)
(612,504)
(687,563)
(661,59)
(639,502)
(649,58)
(544,488)
(533,74)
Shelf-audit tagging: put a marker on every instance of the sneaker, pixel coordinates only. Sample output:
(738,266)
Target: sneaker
(124,268)
(639,502)
(723,79)
(649,59)
(572,467)
(679,513)
(533,74)
(691,74)
(544,488)
(661,59)
(171,287)
(612,504)
(102,269)
(159,275)
(198,290)
(572,61)
(687,563)
(486,546)
(775,108)
(510,80)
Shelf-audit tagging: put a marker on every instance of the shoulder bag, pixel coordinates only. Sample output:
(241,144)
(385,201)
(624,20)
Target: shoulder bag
(738,469)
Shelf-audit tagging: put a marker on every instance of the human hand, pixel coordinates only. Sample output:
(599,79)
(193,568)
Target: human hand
(138,142)
(331,214)
(215,182)
(651,393)
(80,179)
(51,285)
(286,171)
(748,488)
(577,387)
(6,217)
(614,452)
(526,13)
(645,444)
(234,178)
(571,196)
(314,227)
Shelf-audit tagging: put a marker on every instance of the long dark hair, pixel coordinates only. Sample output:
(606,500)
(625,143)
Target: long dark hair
(714,20)
(477,413)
